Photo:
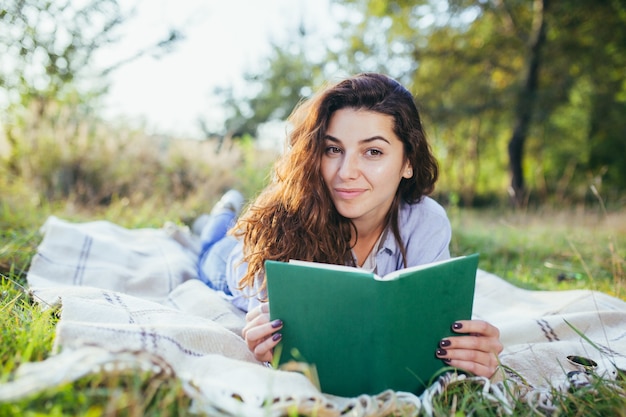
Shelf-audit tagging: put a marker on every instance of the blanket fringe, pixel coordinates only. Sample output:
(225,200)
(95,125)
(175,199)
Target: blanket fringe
(72,364)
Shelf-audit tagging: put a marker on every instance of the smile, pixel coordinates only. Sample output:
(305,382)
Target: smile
(348,194)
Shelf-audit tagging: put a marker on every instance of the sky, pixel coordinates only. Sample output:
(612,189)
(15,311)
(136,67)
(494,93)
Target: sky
(223,39)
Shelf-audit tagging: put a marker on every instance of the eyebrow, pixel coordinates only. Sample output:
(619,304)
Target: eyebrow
(366,140)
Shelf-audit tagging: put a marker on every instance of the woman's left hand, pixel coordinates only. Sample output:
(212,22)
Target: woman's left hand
(477,352)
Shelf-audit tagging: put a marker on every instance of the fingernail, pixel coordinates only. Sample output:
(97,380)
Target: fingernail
(277,323)
(446,360)
(457,326)
(445,343)
(276,337)
(442,352)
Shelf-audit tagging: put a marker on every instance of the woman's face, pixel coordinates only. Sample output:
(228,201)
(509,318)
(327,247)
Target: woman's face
(362,165)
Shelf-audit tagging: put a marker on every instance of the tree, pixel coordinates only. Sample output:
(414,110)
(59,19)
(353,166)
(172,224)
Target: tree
(270,93)
(498,75)
(525,104)
(601,34)
(463,61)
(51,134)
(47,48)
(533,89)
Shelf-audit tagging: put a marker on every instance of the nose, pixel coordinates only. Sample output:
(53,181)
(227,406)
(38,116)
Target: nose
(349,168)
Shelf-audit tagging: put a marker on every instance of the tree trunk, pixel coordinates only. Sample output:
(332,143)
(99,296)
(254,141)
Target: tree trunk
(526,101)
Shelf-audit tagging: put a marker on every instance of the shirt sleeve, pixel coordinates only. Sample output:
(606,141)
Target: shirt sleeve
(247,298)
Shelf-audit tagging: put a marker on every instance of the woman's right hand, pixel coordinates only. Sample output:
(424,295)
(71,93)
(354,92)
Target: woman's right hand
(260,334)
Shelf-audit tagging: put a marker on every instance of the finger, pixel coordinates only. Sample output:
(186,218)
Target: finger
(478,369)
(476,362)
(466,355)
(259,310)
(255,320)
(264,351)
(478,327)
(255,334)
(479,343)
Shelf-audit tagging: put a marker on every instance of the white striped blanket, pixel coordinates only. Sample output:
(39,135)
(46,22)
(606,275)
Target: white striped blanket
(129,298)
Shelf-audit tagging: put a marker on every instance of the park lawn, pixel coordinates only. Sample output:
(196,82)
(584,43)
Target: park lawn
(542,249)
(547,249)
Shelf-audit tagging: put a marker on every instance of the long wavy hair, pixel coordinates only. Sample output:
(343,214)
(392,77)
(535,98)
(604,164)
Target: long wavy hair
(294,217)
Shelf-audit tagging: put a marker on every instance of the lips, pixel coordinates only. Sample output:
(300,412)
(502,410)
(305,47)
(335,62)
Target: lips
(349,193)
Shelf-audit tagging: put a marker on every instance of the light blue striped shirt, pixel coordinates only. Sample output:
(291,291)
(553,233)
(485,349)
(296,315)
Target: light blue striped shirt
(424,229)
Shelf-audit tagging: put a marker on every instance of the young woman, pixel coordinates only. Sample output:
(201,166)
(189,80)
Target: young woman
(351,188)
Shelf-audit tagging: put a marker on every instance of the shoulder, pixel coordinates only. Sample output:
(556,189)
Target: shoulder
(426,213)
(425,230)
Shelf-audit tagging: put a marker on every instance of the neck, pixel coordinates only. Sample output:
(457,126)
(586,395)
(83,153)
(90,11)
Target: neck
(365,242)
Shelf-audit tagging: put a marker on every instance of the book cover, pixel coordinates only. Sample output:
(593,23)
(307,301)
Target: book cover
(365,334)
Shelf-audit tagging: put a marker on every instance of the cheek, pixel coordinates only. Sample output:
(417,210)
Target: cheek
(383,174)
(326,170)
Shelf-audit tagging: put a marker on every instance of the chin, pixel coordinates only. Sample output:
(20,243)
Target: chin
(348,214)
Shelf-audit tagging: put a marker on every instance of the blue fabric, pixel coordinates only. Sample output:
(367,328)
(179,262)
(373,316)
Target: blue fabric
(424,228)
(425,231)
(216,246)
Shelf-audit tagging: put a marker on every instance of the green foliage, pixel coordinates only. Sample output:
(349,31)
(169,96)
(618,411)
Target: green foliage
(27,335)
(547,249)
(65,156)
(47,48)
(49,93)
(121,393)
(271,92)
(253,169)
(463,61)
(531,249)
(600,397)
(27,332)
(467,64)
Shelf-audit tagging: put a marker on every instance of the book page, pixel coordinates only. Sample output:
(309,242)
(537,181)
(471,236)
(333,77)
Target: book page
(396,274)
(344,268)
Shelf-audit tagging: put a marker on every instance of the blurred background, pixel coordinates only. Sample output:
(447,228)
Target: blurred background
(102,100)
(142,112)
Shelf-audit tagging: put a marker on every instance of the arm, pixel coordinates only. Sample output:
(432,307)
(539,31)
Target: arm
(477,352)
(260,333)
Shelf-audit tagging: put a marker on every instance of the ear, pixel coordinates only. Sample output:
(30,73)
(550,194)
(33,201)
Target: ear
(408,171)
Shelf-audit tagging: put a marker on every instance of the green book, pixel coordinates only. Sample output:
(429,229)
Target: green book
(364,334)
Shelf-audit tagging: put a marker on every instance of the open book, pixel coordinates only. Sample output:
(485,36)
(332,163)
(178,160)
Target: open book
(365,334)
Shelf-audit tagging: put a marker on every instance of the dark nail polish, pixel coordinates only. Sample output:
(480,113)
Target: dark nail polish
(276,337)
(445,343)
(442,352)
(277,323)
(457,326)
(446,360)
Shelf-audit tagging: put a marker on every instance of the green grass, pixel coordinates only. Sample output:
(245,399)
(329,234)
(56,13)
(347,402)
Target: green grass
(544,249)
(27,331)
(600,398)
(27,336)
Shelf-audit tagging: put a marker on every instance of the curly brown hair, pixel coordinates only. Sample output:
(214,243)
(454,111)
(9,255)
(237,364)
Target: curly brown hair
(294,217)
